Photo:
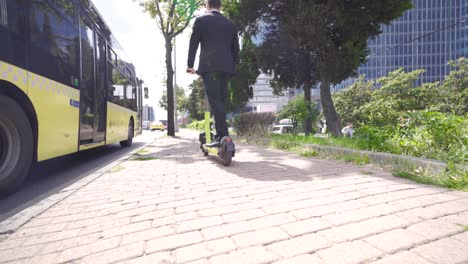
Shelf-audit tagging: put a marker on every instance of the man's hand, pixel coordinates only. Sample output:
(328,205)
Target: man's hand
(191,71)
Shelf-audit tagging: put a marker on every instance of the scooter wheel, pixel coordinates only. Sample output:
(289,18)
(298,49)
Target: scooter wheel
(227,159)
(205,153)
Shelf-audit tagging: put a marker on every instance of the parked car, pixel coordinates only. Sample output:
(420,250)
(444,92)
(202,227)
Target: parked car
(283,129)
(146,125)
(157,126)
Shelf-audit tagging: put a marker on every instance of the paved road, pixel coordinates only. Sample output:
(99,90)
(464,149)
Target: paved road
(268,207)
(52,177)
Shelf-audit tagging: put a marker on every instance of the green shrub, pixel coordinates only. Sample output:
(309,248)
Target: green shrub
(253,124)
(198,125)
(432,135)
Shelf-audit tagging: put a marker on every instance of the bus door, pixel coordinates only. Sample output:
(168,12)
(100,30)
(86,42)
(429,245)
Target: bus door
(92,84)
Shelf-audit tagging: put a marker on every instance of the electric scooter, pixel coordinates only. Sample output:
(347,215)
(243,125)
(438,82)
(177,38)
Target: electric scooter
(226,150)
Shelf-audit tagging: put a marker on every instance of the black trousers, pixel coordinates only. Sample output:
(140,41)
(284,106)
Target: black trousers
(216,88)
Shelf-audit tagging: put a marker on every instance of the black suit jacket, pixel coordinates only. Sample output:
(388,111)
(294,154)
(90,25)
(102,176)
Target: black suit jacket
(219,43)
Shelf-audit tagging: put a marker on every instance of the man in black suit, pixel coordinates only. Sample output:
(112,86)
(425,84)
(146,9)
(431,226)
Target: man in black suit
(219,55)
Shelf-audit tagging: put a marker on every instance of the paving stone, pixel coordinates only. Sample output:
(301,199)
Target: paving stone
(198,223)
(226,230)
(243,215)
(446,250)
(204,250)
(395,240)
(148,234)
(156,258)
(117,254)
(18,253)
(271,221)
(260,237)
(349,252)
(305,226)
(402,257)
(434,229)
(82,251)
(299,245)
(174,241)
(463,237)
(250,255)
(302,259)
(269,206)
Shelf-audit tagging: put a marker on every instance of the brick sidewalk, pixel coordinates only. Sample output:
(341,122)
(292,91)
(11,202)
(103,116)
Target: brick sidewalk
(268,207)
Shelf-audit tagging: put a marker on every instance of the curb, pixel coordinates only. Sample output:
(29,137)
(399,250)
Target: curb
(10,225)
(434,166)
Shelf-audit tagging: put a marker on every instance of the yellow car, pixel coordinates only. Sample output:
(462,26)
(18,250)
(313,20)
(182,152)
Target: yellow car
(157,126)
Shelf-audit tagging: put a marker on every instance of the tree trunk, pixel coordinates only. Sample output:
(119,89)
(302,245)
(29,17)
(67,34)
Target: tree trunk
(308,100)
(333,121)
(170,89)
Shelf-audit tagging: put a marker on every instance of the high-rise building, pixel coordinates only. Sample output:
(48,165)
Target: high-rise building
(426,37)
(148,113)
(263,98)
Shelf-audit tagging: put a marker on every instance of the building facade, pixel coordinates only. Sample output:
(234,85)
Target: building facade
(265,101)
(148,113)
(426,37)
(263,98)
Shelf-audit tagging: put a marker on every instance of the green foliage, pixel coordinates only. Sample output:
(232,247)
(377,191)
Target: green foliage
(173,16)
(182,100)
(309,153)
(284,145)
(454,89)
(456,176)
(348,102)
(241,84)
(198,125)
(307,42)
(432,135)
(297,111)
(253,124)
(356,159)
(196,100)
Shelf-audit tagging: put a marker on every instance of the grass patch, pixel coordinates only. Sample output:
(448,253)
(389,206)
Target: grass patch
(284,145)
(352,143)
(308,153)
(454,178)
(142,151)
(115,169)
(367,172)
(144,158)
(357,159)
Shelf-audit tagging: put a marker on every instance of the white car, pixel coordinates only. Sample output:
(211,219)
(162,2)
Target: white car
(283,129)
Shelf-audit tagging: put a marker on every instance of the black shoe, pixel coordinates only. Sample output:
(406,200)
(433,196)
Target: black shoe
(214,144)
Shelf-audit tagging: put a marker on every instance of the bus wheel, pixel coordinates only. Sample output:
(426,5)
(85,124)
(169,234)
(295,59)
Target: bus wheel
(16,146)
(129,141)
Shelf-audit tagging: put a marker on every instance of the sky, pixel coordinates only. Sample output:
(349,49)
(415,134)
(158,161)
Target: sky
(143,43)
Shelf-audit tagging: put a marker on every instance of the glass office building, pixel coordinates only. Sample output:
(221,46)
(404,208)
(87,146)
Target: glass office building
(426,37)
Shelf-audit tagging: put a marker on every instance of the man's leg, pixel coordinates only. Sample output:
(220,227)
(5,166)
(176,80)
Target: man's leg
(216,90)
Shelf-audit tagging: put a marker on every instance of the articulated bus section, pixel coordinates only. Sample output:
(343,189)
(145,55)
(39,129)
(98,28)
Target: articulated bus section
(66,85)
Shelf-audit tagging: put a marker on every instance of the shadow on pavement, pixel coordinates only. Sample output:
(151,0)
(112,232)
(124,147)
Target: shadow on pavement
(52,176)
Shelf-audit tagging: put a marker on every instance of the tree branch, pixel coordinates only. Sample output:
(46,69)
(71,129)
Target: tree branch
(161,21)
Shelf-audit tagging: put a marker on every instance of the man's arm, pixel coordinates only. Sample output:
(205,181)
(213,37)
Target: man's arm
(235,47)
(194,43)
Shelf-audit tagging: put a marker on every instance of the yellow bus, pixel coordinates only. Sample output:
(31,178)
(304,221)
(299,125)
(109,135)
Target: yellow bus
(65,85)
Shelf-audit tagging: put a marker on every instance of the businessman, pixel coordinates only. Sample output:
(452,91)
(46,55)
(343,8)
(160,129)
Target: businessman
(219,54)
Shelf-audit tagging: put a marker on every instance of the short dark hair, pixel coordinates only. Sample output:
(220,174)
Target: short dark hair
(214,3)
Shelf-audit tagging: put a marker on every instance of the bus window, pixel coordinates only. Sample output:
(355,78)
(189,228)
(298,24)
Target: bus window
(130,96)
(118,88)
(54,42)
(12,32)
